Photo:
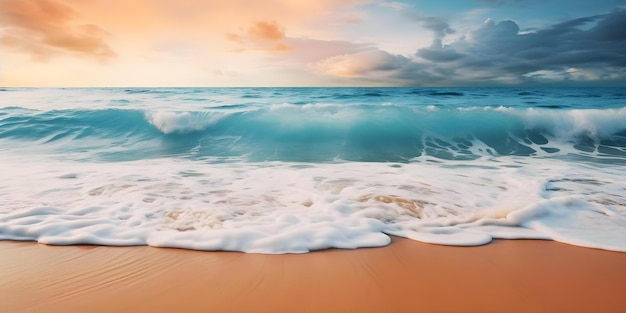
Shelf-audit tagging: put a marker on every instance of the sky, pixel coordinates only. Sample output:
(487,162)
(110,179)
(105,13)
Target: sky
(114,43)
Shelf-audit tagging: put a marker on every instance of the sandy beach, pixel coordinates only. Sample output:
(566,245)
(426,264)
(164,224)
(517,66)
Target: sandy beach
(407,276)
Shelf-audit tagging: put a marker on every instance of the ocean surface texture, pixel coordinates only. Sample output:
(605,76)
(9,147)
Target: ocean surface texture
(290,170)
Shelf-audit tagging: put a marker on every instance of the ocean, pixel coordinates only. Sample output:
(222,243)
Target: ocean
(291,170)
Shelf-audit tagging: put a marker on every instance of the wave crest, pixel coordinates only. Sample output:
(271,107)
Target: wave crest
(169,122)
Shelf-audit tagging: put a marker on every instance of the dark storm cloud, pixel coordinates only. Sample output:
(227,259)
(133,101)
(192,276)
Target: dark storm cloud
(439,53)
(587,50)
(590,41)
(594,44)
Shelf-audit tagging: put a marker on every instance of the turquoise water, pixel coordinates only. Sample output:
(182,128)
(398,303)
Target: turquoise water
(277,170)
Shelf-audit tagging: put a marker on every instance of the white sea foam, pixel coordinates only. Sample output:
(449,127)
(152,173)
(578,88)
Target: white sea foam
(279,207)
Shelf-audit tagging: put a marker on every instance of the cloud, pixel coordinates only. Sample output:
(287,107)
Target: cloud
(395,5)
(558,47)
(308,51)
(376,67)
(360,64)
(437,25)
(44,28)
(261,35)
(270,36)
(267,31)
(439,53)
(586,50)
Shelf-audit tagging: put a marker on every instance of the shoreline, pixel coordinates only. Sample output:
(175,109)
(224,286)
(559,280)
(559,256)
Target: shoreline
(406,276)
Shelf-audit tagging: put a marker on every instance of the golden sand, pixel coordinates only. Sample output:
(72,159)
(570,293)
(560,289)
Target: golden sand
(407,276)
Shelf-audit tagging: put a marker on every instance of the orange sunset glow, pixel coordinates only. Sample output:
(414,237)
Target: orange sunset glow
(309,43)
(140,42)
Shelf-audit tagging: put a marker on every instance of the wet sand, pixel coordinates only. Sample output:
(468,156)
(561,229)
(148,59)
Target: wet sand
(407,276)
